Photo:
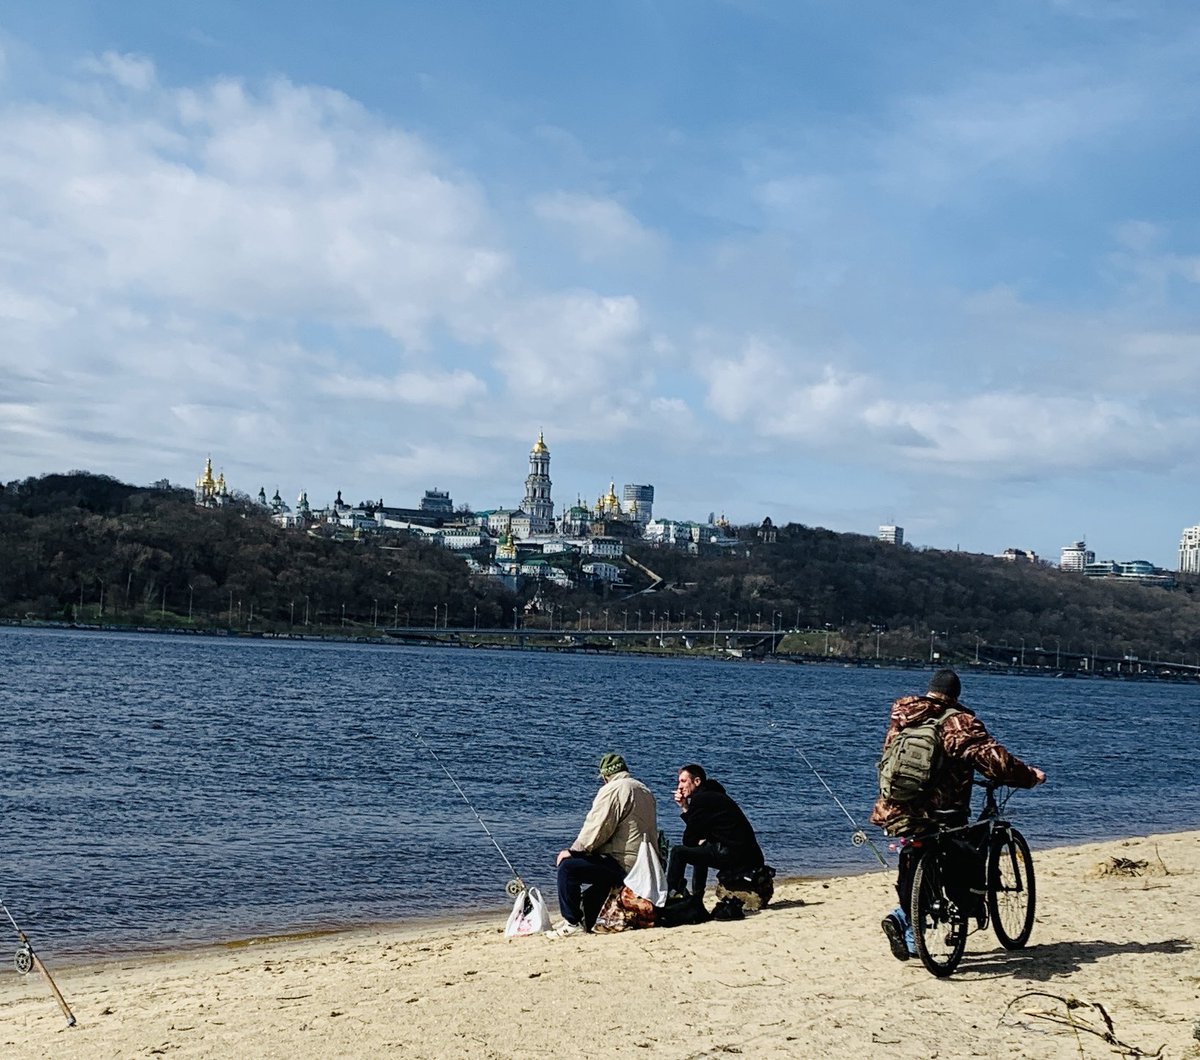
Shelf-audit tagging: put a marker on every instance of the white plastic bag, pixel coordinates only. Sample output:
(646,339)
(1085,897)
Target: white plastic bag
(529,915)
(646,879)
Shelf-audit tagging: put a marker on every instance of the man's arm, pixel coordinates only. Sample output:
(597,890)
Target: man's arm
(600,823)
(965,736)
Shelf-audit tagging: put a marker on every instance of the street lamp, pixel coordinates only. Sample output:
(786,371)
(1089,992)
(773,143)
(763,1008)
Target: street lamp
(716,626)
(306,609)
(191,591)
(579,625)
(343,616)
(625,612)
(736,618)
(476,626)
(779,615)
(375,617)
(606,620)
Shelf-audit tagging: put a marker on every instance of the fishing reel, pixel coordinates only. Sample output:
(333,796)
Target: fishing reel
(859,838)
(514,887)
(23,959)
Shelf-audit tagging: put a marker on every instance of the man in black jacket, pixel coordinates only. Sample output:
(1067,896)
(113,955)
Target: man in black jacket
(716,833)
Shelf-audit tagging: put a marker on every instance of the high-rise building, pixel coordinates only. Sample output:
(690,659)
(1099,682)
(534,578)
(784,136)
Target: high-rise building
(638,502)
(537,503)
(1189,551)
(1075,556)
(893,535)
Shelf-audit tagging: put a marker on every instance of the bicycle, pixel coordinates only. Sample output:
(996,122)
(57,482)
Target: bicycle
(943,902)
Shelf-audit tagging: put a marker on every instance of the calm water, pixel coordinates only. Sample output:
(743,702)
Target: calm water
(169,790)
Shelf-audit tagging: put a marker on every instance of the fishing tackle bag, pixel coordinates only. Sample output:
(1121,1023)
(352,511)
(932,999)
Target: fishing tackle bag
(911,759)
(529,915)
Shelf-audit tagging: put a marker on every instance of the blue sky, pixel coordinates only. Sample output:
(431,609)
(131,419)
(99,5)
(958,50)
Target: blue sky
(934,264)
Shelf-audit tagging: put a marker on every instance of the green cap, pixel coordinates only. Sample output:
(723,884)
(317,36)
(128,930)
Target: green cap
(612,763)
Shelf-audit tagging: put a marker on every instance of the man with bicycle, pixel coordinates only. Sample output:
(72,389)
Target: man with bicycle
(965,747)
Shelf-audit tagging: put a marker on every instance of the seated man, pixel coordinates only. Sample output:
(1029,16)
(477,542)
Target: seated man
(622,817)
(716,833)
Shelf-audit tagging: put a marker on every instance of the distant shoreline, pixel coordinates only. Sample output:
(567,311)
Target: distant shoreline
(454,634)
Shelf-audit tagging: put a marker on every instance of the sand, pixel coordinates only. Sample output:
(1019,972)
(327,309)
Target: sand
(811,976)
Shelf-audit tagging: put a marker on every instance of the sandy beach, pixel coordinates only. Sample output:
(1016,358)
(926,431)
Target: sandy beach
(809,976)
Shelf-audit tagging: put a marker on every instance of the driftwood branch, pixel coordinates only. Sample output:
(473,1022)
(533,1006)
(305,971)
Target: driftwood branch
(1077,1022)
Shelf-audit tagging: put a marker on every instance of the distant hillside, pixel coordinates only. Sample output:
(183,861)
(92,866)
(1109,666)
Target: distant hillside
(858,587)
(88,548)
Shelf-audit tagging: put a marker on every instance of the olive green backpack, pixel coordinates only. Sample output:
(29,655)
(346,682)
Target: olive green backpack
(911,760)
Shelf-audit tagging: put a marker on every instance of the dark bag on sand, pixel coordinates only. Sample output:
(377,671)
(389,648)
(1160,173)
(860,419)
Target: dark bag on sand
(753,887)
(728,909)
(680,911)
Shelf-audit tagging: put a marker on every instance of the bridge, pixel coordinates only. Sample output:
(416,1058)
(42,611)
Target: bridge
(747,641)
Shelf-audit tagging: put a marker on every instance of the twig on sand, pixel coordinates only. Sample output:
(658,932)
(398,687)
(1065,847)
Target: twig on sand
(1078,1023)
(1166,871)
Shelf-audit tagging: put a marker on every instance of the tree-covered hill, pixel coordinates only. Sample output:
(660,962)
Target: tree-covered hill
(87,548)
(858,587)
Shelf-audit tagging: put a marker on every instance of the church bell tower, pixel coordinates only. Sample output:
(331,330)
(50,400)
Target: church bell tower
(537,488)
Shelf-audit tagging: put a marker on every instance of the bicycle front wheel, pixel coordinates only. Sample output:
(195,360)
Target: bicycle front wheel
(1011,890)
(939,928)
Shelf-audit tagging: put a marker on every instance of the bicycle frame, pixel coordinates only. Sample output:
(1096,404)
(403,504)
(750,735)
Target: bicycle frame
(995,883)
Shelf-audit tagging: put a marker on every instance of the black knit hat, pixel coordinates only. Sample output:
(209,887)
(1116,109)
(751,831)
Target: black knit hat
(945,683)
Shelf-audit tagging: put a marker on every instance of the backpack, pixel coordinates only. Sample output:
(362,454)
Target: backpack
(911,759)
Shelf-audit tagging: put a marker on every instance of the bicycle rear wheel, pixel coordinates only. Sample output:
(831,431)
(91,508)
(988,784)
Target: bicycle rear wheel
(1011,890)
(939,928)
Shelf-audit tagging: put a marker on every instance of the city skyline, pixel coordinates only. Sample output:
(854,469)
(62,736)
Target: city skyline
(936,267)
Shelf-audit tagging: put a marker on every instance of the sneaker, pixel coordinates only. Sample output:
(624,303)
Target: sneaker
(565,930)
(897,935)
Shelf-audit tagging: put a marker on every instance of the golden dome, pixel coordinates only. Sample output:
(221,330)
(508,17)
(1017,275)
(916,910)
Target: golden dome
(540,445)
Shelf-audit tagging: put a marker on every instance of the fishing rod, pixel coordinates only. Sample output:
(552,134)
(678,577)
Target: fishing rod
(859,836)
(26,960)
(514,886)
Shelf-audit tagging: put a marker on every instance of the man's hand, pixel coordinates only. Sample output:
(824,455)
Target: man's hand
(1039,777)
(680,799)
(562,855)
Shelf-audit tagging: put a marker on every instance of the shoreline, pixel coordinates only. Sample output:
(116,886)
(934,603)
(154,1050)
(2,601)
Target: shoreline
(1184,674)
(811,975)
(476,917)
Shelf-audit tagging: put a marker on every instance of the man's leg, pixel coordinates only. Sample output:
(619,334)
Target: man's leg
(574,872)
(701,858)
(896,925)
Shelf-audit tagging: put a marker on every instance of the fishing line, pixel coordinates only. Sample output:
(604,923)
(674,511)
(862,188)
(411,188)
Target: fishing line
(514,886)
(859,836)
(25,960)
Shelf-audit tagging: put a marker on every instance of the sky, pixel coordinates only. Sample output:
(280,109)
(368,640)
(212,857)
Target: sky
(933,264)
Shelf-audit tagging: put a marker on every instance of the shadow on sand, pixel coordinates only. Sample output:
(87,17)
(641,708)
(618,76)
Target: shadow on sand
(1039,963)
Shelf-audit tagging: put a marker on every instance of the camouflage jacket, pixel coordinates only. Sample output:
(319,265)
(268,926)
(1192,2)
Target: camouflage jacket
(966,747)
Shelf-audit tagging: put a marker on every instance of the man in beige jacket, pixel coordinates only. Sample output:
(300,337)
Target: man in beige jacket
(621,818)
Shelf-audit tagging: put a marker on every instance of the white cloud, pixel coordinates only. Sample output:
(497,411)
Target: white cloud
(600,227)
(134,72)
(437,389)
(558,346)
(294,202)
